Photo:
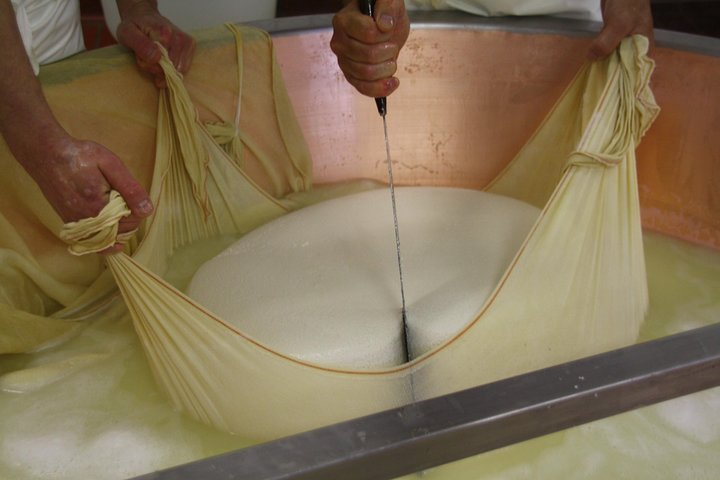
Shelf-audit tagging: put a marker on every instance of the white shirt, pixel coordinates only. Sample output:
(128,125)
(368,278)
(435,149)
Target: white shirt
(584,9)
(50,29)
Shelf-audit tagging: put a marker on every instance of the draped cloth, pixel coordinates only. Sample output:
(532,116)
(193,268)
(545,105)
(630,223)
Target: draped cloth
(47,293)
(576,286)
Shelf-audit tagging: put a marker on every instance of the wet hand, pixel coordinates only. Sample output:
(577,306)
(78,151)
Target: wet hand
(141,27)
(367,48)
(76,178)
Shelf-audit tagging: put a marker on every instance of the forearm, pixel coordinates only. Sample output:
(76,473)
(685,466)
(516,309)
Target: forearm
(26,122)
(74,175)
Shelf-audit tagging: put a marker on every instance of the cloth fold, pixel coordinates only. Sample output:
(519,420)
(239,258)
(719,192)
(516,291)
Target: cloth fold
(45,291)
(576,286)
(92,235)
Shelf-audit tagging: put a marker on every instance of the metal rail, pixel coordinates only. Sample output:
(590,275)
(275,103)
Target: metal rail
(440,430)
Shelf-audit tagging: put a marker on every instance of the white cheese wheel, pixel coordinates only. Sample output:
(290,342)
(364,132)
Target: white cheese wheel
(322,285)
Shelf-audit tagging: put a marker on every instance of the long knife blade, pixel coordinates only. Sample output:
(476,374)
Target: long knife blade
(406,348)
(366,7)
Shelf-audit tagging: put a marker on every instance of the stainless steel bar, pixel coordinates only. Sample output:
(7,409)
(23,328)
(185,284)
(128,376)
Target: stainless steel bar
(440,430)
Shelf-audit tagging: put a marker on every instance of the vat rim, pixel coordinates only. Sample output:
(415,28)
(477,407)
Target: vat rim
(532,25)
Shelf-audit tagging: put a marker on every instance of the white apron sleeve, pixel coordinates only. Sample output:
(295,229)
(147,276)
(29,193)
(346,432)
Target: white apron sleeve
(50,29)
(582,9)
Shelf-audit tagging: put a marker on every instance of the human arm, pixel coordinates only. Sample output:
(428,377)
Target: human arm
(141,26)
(367,48)
(621,18)
(74,175)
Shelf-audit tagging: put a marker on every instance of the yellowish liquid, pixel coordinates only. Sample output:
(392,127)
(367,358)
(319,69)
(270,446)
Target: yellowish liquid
(106,418)
(673,440)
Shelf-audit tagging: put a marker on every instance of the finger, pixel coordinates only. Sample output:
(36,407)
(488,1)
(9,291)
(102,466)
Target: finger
(146,51)
(356,26)
(129,223)
(368,72)
(158,29)
(387,13)
(360,52)
(132,192)
(645,28)
(153,69)
(375,89)
(606,42)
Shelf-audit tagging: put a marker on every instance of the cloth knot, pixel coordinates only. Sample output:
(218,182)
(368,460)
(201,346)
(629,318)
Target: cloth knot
(95,234)
(582,157)
(222,132)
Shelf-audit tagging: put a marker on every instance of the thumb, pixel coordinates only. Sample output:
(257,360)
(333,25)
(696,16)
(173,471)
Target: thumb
(132,192)
(386,12)
(607,40)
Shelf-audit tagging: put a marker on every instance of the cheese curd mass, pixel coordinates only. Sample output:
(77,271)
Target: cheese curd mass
(322,284)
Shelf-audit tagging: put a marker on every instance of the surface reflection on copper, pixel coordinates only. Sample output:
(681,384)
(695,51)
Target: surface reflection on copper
(470,98)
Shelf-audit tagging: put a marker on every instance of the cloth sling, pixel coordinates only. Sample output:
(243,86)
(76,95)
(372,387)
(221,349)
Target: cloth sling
(576,286)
